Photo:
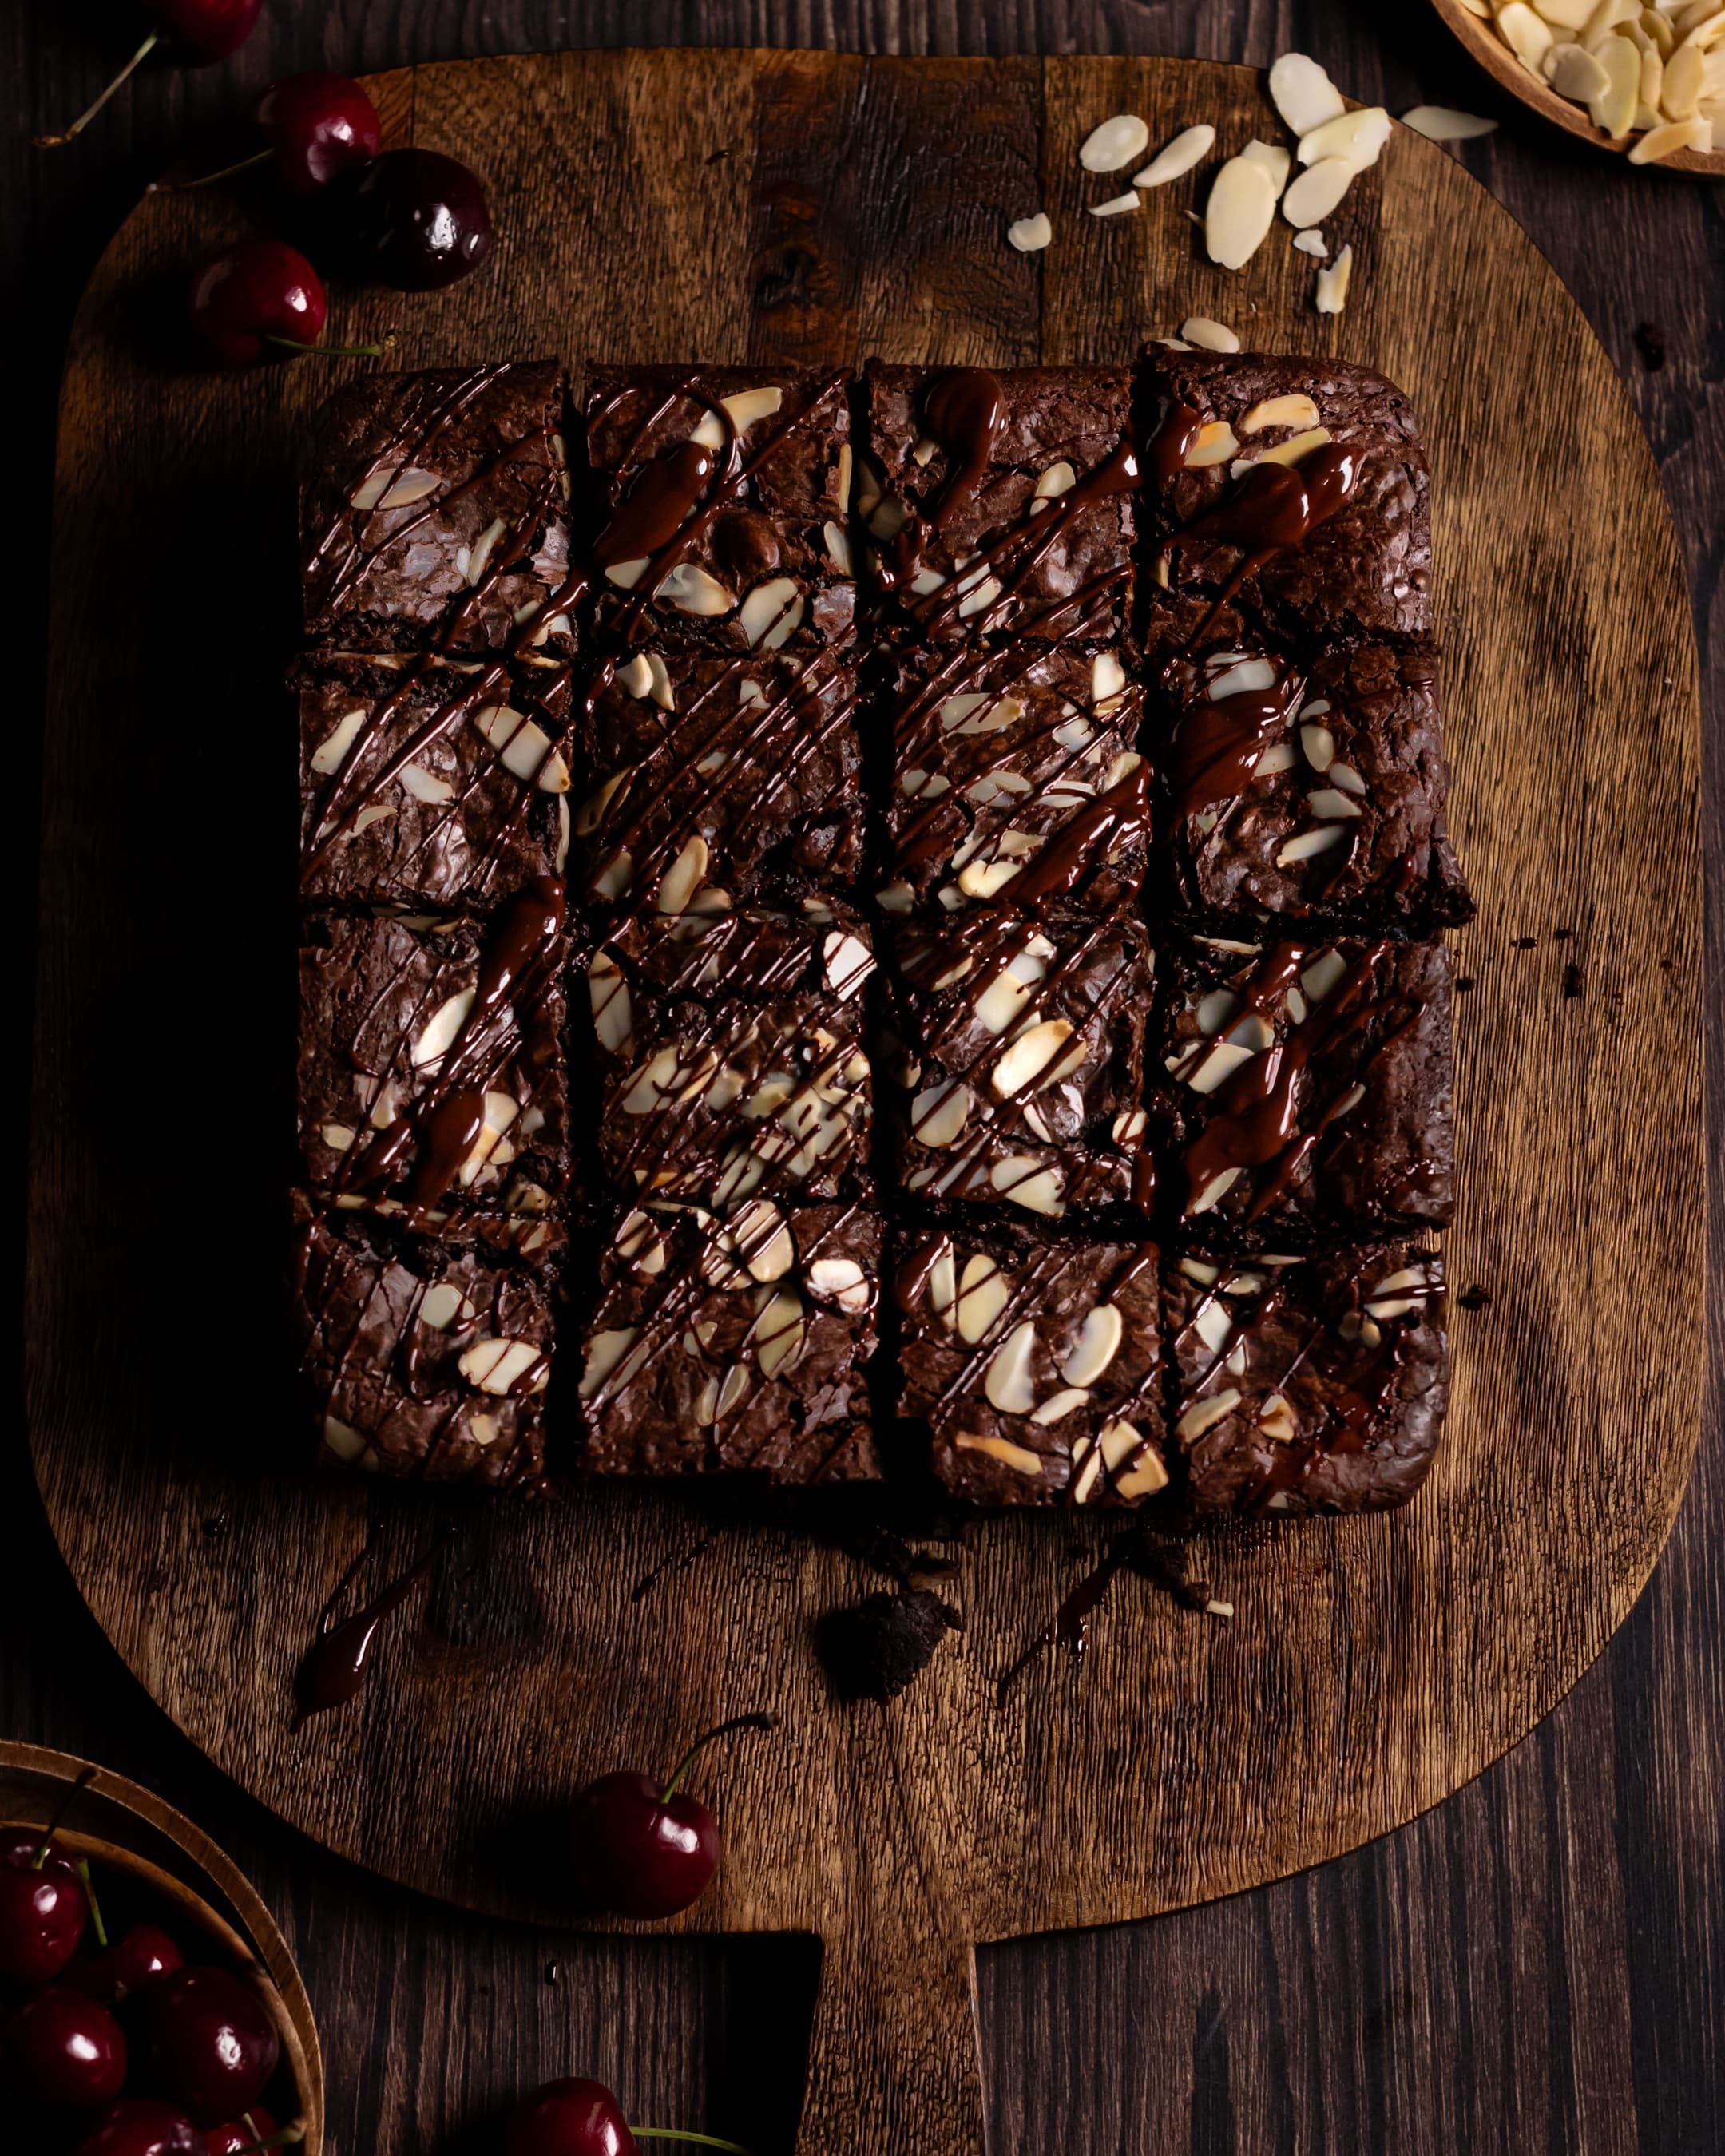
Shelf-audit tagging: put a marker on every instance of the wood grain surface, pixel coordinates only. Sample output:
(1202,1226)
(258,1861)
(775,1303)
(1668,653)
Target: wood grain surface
(1523,1968)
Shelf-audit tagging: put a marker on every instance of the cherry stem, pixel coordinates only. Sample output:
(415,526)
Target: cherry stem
(78,126)
(95,1907)
(208,179)
(673,2134)
(288,2136)
(86,1775)
(334,351)
(760,1721)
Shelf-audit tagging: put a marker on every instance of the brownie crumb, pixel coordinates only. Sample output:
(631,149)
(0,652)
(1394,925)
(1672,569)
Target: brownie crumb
(1473,1298)
(1650,342)
(891,1553)
(1571,980)
(1166,1568)
(1462,984)
(1561,935)
(1522,942)
(874,1650)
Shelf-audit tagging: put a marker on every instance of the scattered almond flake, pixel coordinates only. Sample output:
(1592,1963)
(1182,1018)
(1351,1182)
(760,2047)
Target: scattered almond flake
(1357,136)
(1276,160)
(1115,143)
(1214,1609)
(1318,191)
(1239,212)
(1671,137)
(1443,123)
(1333,282)
(1574,73)
(1527,35)
(1188,148)
(1303,94)
(1172,344)
(1116,205)
(1208,336)
(1029,234)
(1312,243)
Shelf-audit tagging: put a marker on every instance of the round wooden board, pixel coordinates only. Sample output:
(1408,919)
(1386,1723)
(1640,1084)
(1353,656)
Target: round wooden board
(738,205)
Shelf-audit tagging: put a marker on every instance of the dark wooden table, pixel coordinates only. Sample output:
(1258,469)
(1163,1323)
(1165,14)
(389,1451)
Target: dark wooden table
(1538,1965)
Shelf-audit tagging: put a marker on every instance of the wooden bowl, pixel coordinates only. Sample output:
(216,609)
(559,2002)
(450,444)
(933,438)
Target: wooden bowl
(125,1830)
(1482,39)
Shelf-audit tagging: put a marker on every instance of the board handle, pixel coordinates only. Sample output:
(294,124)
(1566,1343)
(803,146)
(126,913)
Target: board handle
(894,2068)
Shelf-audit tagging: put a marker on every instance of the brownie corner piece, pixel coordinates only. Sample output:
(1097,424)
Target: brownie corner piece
(1307,1089)
(420,1358)
(1317,792)
(1296,486)
(1307,1385)
(435,511)
(718,511)
(1019,1058)
(1034,1364)
(1002,499)
(735,1344)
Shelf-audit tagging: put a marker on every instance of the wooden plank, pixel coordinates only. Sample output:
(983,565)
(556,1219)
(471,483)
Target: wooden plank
(1362,1579)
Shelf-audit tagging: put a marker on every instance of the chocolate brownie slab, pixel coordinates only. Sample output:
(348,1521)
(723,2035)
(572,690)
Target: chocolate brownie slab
(1308,1086)
(1312,792)
(719,506)
(431,1059)
(1296,486)
(735,1345)
(1310,1384)
(1034,1364)
(1016,774)
(420,1359)
(431,782)
(1003,501)
(708,773)
(435,513)
(1019,1061)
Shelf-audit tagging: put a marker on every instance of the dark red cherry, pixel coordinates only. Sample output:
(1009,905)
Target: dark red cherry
(246,2132)
(195,32)
(213,2047)
(256,301)
(569,2118)
(319,126)
(418,220)
(43,1909)
(137,1958)
(140,2126)
(646,1850)
(63,2051)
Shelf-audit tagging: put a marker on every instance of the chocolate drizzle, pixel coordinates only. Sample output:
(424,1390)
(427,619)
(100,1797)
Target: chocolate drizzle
(335,1668)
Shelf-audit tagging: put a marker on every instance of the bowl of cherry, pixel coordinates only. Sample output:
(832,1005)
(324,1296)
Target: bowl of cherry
(148,2004)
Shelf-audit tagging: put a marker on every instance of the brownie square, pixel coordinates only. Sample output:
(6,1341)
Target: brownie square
(431,782)
(1312,792)
(1307,1385)
(1035,1366)
(431,1061)
(1335,544)
(801,944)
(713,772)
(1016,774)
(1003,501)
(1309,1087)
(719,506)
(1019,1061)
(419,1359)
(739,1345)
(434,515)
(718,1101)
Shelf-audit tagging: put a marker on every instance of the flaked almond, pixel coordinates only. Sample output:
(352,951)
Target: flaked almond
(1188,148)
(1059,1406)
(982,1295)
(840,1281)
(676,887)
(1303,94)
(1356,138)
(1026,1060)
(1333,282)
(441,1029)
(1312,243)
(1097,1344)
(770,613)
(332,750)
(779,1333)
(1107,681)
(1307,845)
(1117,205)
(1215,443)
(1443,123)
(939,1113)
(1029,234)
(1613,110)
(1006,1381)
(1017,1457)
(1057,480)
(1241,207)
(1297,446)
(498,1366)
(1273,157)
(1296,410)
(1208,336)
(691,590)
(1204,1414)
(743,410)
(524,748)
(1527,34)
(1674,134)
(604,1352)
(1318,191)
(1115,144)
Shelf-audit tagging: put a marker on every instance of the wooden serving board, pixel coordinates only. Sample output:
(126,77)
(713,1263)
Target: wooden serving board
(731,205)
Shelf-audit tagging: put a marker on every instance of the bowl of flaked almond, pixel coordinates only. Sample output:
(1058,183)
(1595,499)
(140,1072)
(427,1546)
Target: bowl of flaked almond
(1646,80)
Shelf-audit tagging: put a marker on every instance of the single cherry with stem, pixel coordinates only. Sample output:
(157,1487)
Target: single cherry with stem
(579,2118)
(197,32)
(642,1850)
(142,2126)
(63,2051)
(138,1957)
(319,126)
(417,220)
(213,2047)
(263,299)
(43,1902)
